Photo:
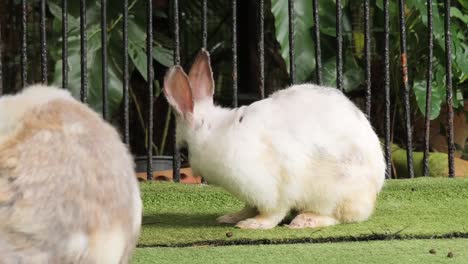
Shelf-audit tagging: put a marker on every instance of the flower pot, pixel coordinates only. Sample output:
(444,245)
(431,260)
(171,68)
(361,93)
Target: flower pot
(162,170)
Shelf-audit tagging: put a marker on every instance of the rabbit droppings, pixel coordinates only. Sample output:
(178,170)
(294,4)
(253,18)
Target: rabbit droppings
(68,191)
(305,148)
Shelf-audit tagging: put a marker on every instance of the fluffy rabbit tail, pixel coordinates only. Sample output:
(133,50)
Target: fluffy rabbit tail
(108,247)
(359,204)
(103,247)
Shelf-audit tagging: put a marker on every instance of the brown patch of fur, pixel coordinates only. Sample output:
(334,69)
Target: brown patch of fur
(6,193)
(69,179)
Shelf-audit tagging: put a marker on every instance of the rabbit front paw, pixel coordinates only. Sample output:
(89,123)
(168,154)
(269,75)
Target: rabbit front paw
(233,218)
(262,221)
(254,223)
(310,220)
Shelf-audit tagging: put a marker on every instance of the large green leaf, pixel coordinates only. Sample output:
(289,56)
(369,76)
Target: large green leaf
(352,77)
(417,28)
(437,92)
(304,42)
(163,55)
(455,12)
(463,3)
(462,60)
(304,49)
(94,70)
(460,52)
(392,6)
(136,48)
(137,51)
(94,62)
(438,19)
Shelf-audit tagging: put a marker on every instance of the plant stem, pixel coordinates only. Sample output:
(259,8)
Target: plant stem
(166,129)
(155,148)
(119,18)
(137,106)
(142,123)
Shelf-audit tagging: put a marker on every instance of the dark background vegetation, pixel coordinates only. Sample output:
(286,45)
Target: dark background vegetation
(276,57)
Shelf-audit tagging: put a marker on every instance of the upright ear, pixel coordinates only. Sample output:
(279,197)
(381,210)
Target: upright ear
(201,77)
(178,92)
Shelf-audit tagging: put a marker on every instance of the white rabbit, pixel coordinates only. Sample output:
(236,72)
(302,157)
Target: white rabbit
(305,148)
(68,190)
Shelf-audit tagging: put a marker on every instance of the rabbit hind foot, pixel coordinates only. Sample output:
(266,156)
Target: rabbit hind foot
(311,220)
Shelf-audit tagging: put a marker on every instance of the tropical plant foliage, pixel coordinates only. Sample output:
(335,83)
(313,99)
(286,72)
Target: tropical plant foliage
(219,44)
(162,49)
(353,28)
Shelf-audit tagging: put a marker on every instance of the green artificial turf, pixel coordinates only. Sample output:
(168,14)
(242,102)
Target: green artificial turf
(388,252)
(178,215)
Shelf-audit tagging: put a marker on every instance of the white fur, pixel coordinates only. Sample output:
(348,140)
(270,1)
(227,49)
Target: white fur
(107,247)
(86,220)
(13,107)
(137,210)
(77,244)
(306,147)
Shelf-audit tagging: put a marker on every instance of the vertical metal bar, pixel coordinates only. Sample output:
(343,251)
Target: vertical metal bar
(339,46)
(43,42)
(261,49)
(176,33)
(24,44)
(105,79)
(388,149)
(404,73)
(449,93)
(318,50)
(367,48)
(150,73)
(83,36)
(204,36)
(234,53)
(65,44)
(126,75)
(291,21)
(204,24)
(176,158)
(427,122)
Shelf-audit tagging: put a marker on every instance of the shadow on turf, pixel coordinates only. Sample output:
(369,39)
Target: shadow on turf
(190,220)
(181,220)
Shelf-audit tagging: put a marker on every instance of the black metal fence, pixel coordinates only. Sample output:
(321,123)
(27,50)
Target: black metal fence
(177,44)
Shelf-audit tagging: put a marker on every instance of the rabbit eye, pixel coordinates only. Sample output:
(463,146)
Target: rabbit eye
(241,118)
(202,122)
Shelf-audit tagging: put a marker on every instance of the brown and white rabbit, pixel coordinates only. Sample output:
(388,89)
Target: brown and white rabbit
(305,148)
(68,191)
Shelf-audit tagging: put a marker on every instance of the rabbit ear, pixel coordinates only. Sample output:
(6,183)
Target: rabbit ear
(178,91)
(201,77)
